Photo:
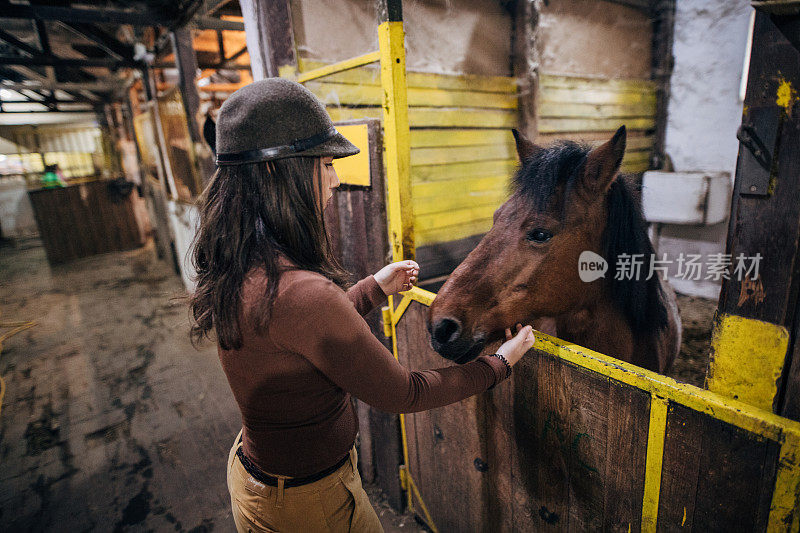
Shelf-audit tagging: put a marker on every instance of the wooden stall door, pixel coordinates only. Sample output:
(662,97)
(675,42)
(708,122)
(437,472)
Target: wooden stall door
(356,220)
(565,448)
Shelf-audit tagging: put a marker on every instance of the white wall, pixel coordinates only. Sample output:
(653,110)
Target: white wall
(704,106)
(704,113)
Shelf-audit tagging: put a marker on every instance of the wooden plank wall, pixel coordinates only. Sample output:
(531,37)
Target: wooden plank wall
(562,448)
(462,150)
(81,220)
(592,109)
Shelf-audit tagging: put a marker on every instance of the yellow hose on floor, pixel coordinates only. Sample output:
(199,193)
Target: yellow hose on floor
(17,327)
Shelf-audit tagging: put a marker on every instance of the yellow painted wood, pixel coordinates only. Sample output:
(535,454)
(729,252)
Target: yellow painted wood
(632,143)
(421,117)
(596,96)
(441,155)
(582,83)
(349,94)
(559,109)
(783,511)
(470,169)
(427,117)
(636,157)
(564,125)
(467,82)
(453,233)
(747,358)
(340,114)
(455,217)
(426,138)
(654,461)
(443,188)
(354,170)
(396,138)
(462,198)
(342,66)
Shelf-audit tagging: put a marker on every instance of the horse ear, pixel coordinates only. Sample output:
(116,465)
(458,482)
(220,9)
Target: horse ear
(525,148)
(602,163)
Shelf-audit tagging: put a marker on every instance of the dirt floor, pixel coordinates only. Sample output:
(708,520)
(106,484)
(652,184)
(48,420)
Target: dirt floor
(697,315)
(111,419)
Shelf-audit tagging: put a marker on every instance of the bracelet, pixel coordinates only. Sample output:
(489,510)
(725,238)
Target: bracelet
(505,362)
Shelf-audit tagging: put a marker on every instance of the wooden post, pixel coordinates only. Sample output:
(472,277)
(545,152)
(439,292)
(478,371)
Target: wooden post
(753,358)
(663,16)
(186,61)
(269,34)
(526,51)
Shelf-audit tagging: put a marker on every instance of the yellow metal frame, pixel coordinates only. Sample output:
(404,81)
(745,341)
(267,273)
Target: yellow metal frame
(327,70)
(396,139)
(663,392)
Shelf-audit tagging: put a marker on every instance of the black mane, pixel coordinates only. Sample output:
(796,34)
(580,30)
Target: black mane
(640,300)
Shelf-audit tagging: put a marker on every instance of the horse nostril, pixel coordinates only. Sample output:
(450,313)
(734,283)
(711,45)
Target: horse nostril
(446,330)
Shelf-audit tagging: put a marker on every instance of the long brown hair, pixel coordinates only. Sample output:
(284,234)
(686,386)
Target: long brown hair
(250,215)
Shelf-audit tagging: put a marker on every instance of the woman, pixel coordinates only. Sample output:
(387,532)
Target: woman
(293,344)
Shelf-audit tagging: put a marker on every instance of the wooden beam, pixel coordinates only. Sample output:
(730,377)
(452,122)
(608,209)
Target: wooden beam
(102,87)
(204,66)
(67,62)
(108,42)
(211,6)
(70,14)
(662,64)
(211,23)
(526,50)
(270,37)
(186,60)
(21,45)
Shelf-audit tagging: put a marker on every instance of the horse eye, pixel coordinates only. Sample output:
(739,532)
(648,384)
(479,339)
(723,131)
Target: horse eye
(539,235)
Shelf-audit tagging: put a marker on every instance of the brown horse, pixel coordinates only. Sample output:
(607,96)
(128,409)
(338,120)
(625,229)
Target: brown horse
(566,199)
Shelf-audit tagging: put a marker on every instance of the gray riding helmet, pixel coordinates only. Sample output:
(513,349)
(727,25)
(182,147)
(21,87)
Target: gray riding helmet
(273,119)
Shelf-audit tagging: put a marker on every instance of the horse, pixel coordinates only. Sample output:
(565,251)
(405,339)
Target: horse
(565,200)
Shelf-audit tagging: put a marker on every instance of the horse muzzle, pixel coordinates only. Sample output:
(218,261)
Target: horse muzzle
(448,341)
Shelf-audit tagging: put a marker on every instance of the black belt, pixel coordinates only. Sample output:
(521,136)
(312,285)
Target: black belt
(272,481)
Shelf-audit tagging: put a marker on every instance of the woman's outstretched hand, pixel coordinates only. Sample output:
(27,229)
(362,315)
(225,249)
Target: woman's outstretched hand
(517,345)
(396,277)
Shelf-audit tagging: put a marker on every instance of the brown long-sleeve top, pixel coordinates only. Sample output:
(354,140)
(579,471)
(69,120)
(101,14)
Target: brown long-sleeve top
(293,383)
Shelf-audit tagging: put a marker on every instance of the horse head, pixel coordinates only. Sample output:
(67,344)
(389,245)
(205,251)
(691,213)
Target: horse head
(526,267)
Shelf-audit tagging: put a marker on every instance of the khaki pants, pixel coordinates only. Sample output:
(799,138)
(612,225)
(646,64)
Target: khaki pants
(336,502)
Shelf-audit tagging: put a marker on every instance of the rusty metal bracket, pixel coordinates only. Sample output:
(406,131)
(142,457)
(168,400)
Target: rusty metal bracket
(758,136)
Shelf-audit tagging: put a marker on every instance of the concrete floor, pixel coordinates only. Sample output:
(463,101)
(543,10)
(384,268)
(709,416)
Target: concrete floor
(111,419)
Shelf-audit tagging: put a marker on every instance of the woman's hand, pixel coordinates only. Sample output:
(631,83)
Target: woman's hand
(396,277)
(516,346)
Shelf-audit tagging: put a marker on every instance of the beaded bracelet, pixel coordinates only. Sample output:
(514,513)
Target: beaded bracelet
(505,362)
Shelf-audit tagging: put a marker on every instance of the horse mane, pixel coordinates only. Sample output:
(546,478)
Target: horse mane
(641,300)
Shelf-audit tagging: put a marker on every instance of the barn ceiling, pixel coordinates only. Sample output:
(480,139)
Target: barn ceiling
(64,55)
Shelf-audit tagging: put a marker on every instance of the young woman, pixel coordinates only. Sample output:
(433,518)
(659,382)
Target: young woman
(292,341)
